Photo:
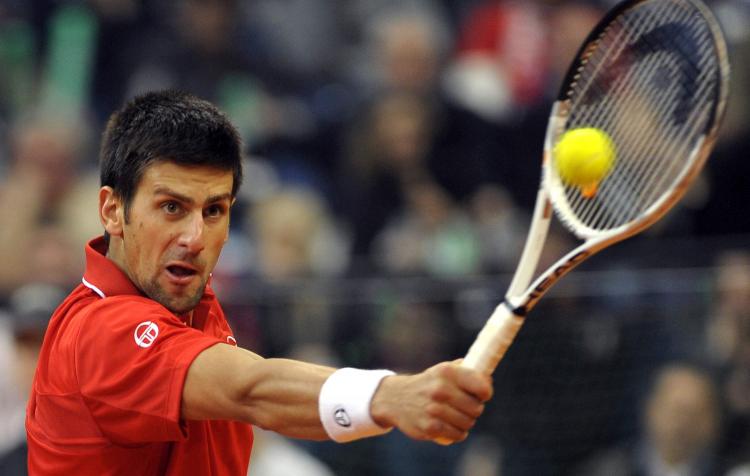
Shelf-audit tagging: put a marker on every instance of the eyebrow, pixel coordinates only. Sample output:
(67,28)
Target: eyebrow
(190,200)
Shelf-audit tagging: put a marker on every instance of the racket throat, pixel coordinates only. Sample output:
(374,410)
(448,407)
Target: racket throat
(520,311)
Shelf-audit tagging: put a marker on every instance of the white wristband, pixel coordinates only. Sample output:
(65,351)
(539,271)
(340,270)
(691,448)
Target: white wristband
(344,404)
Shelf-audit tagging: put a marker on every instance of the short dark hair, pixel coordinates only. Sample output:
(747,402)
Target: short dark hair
(170,126)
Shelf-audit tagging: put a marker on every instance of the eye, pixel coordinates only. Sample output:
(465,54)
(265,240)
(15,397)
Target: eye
(171,208)
(214,211)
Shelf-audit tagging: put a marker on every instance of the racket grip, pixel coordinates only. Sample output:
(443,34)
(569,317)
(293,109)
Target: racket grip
(491,344)
(493,340)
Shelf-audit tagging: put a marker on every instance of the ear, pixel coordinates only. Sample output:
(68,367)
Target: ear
(111,211)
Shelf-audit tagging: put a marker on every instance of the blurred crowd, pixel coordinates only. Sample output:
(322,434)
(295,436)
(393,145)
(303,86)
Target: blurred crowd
(391,139)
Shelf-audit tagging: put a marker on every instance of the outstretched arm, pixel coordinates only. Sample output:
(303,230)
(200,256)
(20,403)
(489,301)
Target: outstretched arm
(226,382)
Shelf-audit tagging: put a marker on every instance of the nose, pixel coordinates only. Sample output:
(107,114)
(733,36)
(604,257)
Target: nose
(192,235)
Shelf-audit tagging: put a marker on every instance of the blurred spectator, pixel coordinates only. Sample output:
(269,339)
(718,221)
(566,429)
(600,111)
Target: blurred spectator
(681,426)
(292,237)
(728,336)
(729,322)
(408,334)
(483,456)
(30,308)
(296,41)
(569,22)
(405,126)
(430,235)
(127,33)
(50,205)
(742,470)
(385,152)
(500,228)
(295,236)
(17,62)
(404,48)
(501,61)
(196,50)
(401,141)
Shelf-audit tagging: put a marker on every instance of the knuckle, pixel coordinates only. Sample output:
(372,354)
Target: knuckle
(432,427)
(438,392)
(489,388)
(433,409)
(487,392)
(445,370)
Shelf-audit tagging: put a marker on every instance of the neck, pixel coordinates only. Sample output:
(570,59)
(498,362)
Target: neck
(187,318)
(116,254)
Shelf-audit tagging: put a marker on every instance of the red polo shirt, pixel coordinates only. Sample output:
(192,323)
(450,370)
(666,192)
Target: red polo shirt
(107,391)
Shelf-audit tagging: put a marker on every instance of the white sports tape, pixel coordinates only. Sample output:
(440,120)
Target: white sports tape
(344,404)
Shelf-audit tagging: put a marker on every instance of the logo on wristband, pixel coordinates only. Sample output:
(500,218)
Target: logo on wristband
(341,417)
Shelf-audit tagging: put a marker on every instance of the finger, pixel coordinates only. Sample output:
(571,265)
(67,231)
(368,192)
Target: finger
(439,430)
(451,388)
(468,405)
(451,416)
(475,383)
(457,398)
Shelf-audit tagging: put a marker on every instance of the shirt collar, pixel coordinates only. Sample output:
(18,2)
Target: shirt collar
(102,275)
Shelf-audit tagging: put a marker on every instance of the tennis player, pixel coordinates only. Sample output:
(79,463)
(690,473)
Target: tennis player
(139,373)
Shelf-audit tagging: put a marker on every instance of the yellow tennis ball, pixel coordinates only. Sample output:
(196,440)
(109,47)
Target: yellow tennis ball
(584,156)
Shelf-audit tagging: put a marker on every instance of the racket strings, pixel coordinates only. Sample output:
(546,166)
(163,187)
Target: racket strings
(649,89)
(594,212)
(623,185)
(675,150)
(643,133)
(590,210)
(663,181)
(695,124)
(646,183)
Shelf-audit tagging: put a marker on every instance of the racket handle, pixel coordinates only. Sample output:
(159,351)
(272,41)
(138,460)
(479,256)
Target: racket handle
(493,340)
(491,344)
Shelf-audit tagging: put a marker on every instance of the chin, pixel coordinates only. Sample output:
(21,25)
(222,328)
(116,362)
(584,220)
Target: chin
(181,304)
(184,305)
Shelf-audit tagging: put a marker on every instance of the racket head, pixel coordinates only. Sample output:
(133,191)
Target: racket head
(654,76)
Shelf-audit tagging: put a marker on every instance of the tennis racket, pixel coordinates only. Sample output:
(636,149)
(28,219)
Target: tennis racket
(653,75)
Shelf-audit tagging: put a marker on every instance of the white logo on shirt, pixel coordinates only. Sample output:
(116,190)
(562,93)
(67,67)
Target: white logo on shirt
(145,334)
(231,340)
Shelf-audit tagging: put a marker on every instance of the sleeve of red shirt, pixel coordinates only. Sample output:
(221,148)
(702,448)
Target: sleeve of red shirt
(130,376)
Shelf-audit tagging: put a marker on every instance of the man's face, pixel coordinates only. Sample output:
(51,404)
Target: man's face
(177,225)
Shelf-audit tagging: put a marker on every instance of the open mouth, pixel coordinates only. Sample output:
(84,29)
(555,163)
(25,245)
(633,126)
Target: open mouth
(180,273)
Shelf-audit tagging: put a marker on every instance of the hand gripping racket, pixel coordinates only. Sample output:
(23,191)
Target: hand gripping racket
(653,75)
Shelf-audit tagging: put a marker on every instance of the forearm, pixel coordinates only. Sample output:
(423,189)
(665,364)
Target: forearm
(284,398)
(226,382)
